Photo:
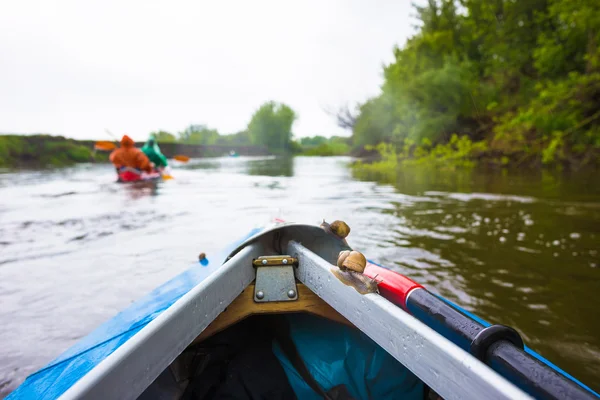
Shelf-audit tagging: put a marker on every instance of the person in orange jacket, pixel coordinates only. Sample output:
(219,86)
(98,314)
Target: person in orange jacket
(128,156)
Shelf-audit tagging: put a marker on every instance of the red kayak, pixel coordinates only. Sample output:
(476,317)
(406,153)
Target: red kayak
(134,175)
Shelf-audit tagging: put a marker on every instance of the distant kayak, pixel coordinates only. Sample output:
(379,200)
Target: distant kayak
(126,175)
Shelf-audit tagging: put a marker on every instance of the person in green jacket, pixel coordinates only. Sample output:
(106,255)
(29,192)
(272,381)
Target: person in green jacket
(152,151)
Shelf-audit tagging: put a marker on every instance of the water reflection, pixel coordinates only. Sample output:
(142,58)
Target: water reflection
(203,164)
(576,186)
(279,166)
(261,166)
(138,190)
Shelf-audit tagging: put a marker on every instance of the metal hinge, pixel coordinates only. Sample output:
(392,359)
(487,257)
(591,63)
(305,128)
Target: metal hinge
(275,279)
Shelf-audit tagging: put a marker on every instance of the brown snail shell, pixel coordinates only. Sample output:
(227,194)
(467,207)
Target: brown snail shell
(355,261)
(343,255)
(340,229)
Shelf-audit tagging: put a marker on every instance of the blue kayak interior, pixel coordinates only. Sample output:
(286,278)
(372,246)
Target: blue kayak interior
(251,360)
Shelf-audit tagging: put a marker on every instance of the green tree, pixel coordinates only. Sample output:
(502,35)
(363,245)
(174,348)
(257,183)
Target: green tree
(522,75)
(199,134)
(235,139)
(271,126)
(313,141)
(163,136)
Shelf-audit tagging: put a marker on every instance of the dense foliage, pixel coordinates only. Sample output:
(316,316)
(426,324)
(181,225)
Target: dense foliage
(322,146)
(164,137)
(271,126)
(44,151)
(202,135)
(522,77)
(199,134)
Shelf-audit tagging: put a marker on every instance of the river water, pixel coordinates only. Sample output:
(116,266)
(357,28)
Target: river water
(517,249)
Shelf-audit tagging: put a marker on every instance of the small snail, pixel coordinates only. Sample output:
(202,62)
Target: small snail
(349,270)
(339,229)
(353,261)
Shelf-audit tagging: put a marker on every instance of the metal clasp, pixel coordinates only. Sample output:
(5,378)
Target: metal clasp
(275,279)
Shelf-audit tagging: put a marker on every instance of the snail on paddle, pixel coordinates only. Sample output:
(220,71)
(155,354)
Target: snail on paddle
(349,270)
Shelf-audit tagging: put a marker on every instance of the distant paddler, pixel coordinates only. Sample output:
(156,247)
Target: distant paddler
(152,151)
(129,161)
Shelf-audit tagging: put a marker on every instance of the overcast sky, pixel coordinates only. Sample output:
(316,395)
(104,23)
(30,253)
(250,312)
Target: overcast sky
(76,68)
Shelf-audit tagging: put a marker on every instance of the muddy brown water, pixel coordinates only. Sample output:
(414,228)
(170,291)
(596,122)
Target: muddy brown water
(517,249)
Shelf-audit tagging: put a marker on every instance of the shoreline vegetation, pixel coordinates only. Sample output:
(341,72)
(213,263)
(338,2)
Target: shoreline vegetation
(34,151)
(511,84)
(48,151)
(269,132)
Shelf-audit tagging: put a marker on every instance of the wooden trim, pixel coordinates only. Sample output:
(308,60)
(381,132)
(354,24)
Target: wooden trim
(244,306)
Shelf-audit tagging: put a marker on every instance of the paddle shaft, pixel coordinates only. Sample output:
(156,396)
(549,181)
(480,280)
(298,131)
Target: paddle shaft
(516,364)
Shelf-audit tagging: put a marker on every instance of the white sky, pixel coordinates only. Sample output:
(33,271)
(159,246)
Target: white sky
(76,68)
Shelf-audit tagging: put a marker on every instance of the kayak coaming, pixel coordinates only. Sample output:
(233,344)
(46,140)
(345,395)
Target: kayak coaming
(55,378)
(130,368)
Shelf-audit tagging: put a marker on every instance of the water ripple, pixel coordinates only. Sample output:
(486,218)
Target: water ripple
(75,248)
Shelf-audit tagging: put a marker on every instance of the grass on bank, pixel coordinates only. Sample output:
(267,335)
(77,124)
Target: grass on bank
(327,149)
(459,152)
(44,151)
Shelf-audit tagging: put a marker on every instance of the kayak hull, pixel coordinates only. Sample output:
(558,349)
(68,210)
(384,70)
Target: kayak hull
(133,176)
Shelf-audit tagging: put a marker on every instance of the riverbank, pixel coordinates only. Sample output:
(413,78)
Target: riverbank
(35,151)
(321,146)
(41,151)
(383,162)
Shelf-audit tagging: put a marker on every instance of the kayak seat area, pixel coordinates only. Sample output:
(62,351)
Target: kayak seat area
(251,360)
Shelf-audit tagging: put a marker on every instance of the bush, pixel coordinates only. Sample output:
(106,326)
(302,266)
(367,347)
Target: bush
(328,149)
(42,151)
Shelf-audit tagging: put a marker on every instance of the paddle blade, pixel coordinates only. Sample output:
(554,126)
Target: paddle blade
(167,177)
(106,146)
(181,158)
